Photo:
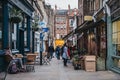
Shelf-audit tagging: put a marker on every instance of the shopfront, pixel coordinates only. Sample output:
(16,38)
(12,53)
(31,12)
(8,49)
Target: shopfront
(115,35)
(116,42)
(93,39)
(15,25)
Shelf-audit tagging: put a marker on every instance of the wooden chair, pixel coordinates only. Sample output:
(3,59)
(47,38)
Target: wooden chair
(30,62)
(37,60)
(45,59)
(18,55)
(8,58)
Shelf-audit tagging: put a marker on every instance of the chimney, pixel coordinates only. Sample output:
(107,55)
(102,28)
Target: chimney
(69,7)
(55,7)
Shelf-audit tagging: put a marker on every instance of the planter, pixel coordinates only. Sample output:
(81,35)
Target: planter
(35,29)
(15,19)
(100,64)
(76,62)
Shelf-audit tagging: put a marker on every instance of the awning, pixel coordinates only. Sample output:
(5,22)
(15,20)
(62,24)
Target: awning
(69,35)
(81,27)
(88,24)
(74,31)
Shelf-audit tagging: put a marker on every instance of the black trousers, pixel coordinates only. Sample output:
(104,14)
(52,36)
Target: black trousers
(65,61)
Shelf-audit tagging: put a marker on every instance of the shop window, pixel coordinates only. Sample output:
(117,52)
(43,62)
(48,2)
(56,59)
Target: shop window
(25,33)
(14,35)
(61,36)
(14,23)
(116,37)
(116,62)
(101,3)
(71,22)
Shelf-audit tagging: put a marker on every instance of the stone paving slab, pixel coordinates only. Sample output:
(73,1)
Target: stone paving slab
(56,71)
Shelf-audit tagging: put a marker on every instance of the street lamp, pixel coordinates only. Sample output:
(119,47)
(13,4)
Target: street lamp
(41,45)
(42,35)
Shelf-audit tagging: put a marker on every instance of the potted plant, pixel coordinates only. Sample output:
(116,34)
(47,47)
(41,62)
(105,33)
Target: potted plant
(35,23)
(76,61)
(100,63)
(15,15)
(35,27)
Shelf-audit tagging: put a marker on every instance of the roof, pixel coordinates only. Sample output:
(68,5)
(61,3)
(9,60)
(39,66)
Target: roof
(61,12)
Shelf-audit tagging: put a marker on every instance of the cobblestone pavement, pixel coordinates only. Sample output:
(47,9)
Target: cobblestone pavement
(56,71)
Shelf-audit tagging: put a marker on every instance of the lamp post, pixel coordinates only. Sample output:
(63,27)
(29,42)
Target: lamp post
(41,46)
(42,24)
(42,35)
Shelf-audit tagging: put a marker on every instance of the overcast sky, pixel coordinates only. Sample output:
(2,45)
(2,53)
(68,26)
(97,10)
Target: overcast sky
(63,4)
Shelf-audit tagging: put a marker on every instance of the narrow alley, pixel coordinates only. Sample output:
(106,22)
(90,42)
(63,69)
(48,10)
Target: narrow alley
(85,31)
(56,71)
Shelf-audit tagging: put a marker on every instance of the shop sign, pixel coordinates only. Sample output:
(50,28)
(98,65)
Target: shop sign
(22,7)
(88,18)
(45,29)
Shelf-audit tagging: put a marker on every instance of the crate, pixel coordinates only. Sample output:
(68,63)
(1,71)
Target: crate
(90,63)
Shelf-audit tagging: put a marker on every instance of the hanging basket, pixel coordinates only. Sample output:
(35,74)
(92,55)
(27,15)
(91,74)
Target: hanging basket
(35,29)
(15,19)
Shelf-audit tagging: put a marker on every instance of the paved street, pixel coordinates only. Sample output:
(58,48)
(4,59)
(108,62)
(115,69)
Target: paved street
(56,71)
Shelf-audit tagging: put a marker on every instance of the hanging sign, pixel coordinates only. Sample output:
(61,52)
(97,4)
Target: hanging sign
(45,29)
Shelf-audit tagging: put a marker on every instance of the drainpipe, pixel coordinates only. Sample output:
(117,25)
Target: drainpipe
(33,38)
(106,37)
(109,62)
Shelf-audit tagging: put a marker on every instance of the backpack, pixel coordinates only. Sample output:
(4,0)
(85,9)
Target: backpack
(12,68)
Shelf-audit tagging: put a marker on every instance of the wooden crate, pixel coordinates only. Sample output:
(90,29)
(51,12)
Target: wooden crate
(90,63)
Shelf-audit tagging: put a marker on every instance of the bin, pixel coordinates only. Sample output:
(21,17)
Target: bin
(90,63)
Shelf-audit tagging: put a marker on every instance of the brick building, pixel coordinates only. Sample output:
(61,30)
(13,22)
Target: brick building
(60,23)
(64,21)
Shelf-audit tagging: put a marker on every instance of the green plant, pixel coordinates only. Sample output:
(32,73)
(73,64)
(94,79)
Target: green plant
(76,57)
(75,52)
(35,23)
(15,15)
(15,12)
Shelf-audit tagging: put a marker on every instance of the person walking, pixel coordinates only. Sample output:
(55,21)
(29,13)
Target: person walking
(57,52)
(65,55)
(51,51)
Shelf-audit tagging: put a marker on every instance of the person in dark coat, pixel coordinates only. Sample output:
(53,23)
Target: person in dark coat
(57,52)
(51,51)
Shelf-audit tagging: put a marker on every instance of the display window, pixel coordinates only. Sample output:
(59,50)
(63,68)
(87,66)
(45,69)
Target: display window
(116,41)
(116,37)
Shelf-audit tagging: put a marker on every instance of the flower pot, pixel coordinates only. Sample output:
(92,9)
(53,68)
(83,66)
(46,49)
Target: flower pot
(35,29)
(100,64)
(15,19)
